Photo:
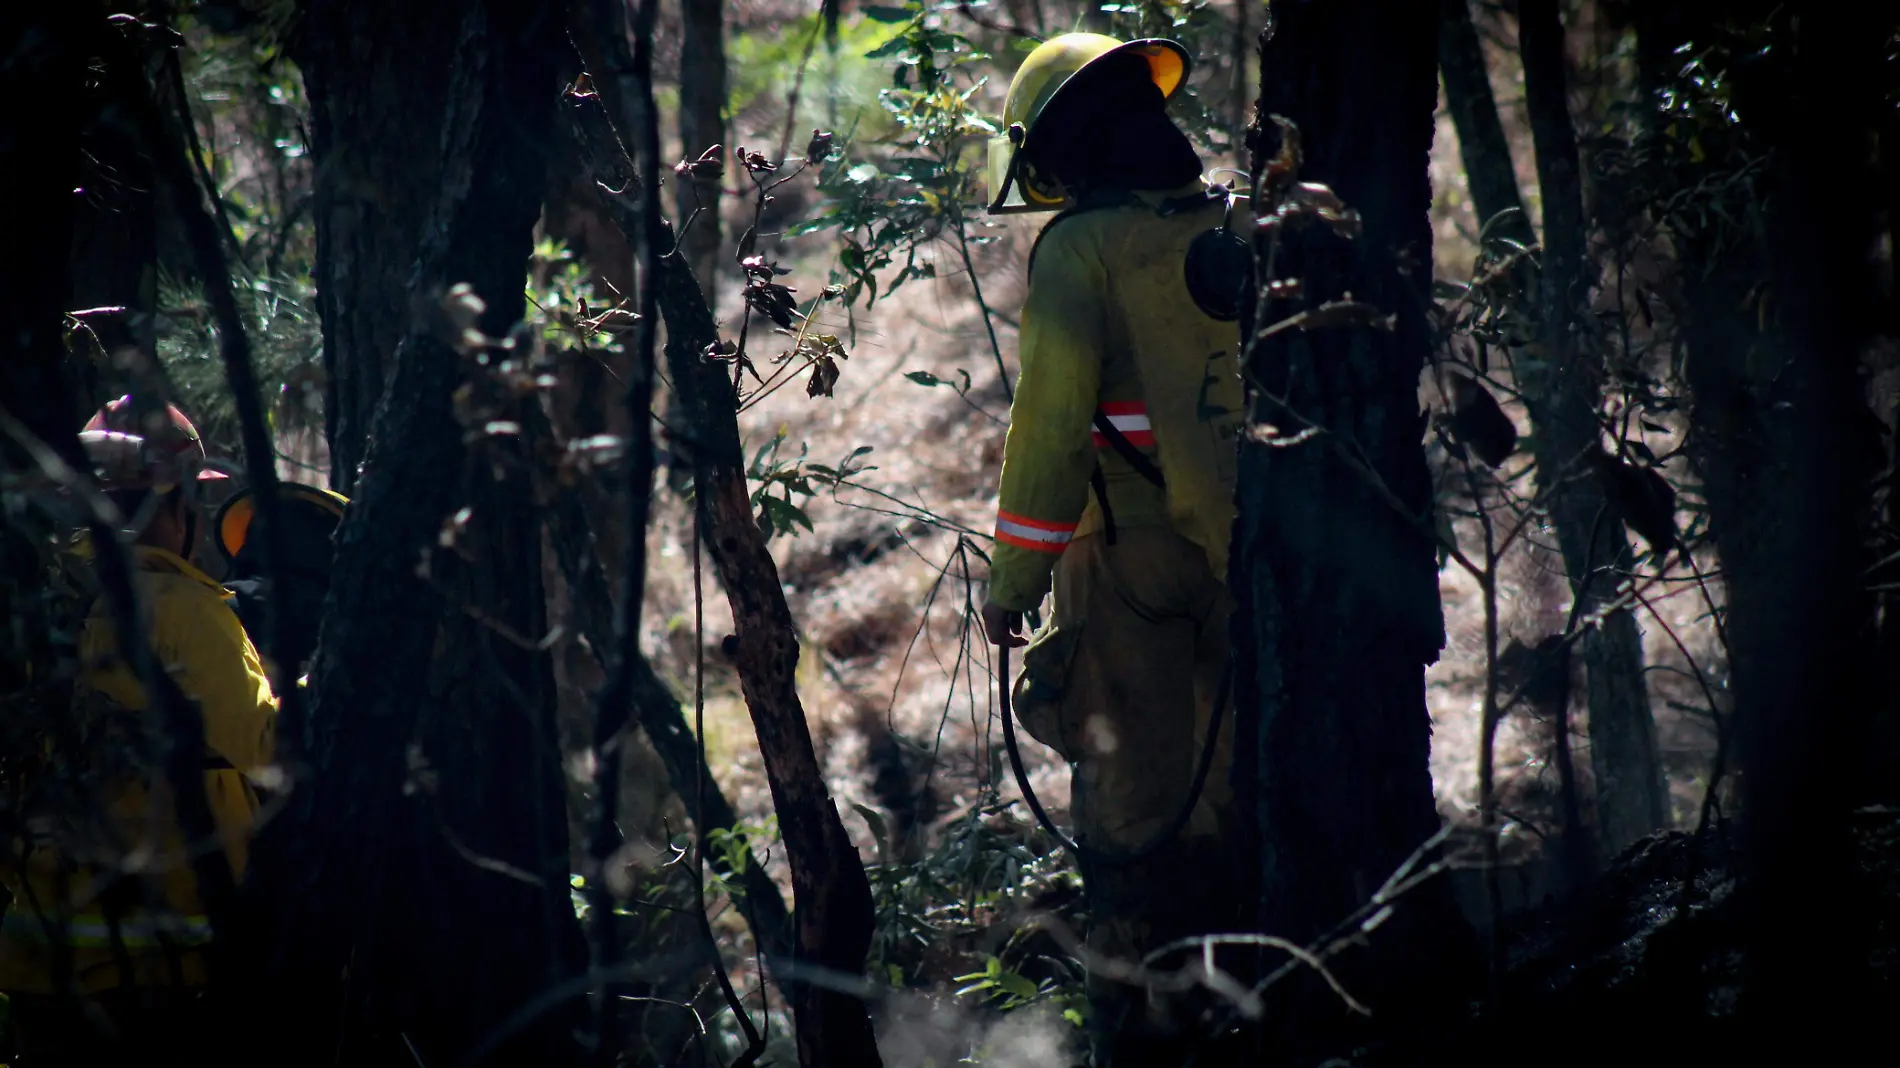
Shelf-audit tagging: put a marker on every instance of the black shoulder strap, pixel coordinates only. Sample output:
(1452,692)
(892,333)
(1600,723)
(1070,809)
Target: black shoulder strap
(1189,202)
(1100,485)
(1135,457)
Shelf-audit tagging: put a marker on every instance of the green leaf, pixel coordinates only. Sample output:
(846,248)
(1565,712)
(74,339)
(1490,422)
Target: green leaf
(783,516)
(890,49)
(879,13)
(1017,985)
(923,378)
(879,830)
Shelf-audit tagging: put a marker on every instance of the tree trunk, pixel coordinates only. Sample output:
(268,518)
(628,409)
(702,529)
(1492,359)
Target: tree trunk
(115,242)
(370,197)
(702,122)
(1482,146)
(1492,178)
(416,887)
(831,894)
(664,722)
(1334,569)
(1781,428)
(1561,384)
(42,78)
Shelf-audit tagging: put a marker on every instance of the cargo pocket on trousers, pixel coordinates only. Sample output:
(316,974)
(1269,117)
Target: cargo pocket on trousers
(1038,691)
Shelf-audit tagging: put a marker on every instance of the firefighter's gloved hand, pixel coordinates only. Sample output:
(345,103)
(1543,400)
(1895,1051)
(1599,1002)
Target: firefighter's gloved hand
(300,599)
(248,599)
(1003,626)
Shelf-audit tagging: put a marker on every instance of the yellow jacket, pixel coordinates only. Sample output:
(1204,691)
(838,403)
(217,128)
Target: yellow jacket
(1109,323)
(57,901)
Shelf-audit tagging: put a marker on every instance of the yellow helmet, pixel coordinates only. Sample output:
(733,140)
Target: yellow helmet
(1013,184)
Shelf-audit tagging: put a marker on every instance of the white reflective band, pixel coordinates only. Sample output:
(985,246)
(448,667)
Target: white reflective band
(1026,533)
(1129,424)
(1029,533)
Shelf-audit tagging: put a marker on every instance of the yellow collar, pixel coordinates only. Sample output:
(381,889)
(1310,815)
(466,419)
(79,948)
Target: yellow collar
(154,560)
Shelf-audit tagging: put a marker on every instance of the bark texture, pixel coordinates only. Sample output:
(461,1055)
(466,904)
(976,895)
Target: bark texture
(115,245)
(1334,567)
(831,895)
(373,193)
(1786,449)
(1562,381)
(415,890)
(1482,145)
(43,55)
(702,123)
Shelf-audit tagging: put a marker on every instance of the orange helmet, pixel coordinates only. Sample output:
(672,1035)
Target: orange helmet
(158,452)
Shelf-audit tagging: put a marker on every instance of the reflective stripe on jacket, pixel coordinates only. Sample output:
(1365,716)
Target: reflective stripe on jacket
(135,857)
(95,930)
(1108,324)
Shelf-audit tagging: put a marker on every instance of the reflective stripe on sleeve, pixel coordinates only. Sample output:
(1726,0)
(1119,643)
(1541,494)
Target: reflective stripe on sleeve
(1129,417)
(1034,534)
(95,932)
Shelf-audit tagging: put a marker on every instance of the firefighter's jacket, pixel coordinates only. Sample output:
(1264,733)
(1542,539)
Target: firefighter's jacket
(152,923)
(1109,325)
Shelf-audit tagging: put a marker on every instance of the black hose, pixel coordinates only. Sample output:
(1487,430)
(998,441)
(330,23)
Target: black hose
(1085,854)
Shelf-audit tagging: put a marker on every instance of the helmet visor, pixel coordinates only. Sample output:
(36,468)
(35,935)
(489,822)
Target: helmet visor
(1006,194)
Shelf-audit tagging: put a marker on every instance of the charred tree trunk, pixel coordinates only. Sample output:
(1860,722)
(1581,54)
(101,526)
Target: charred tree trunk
(1482,146)
(115,243)
(702,122)
(1787,453)
(1334,570)
(1561,382)
(415,891)
(370,201)
(44,52)
(831,894)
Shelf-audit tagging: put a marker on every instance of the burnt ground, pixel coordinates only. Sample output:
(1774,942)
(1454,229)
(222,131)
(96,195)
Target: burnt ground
(1643,969)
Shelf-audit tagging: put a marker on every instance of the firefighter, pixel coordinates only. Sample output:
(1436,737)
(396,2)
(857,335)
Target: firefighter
(102,951)
(1116,496)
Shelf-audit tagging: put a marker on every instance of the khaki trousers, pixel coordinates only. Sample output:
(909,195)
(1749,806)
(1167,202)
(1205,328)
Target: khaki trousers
(1122,681)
